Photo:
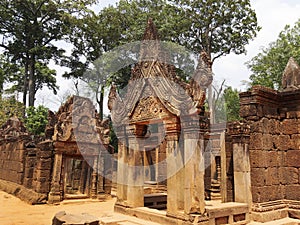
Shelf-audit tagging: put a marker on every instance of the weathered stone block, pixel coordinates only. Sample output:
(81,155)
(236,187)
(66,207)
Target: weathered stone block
(282,142)
(290,126)
(296,141)
(258,177)
(292,192)
(270,112)
(267,142)
(293,158)
(258,159)
(256,127)
(288,175)
(273,127)
(267,193)
(256,141)
(272,176)
(273,158)
(61,218)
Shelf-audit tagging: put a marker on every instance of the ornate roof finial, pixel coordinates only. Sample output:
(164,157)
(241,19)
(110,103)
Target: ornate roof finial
(291,75)
(151,31)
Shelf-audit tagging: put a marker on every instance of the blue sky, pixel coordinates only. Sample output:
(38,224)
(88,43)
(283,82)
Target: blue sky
(272,16)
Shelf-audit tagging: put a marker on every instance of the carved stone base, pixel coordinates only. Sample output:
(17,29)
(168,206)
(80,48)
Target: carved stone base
(275,210)
(161,217)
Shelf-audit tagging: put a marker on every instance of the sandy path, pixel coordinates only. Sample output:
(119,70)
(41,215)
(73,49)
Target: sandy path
(14,212)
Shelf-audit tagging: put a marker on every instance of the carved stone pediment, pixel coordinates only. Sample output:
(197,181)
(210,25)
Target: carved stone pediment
(155,71)
(13,128)
(77,121)
(149,108)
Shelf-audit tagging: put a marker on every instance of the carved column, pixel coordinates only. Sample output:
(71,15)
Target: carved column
(135,189)
(122,173)
(94,178)
(223,167)
(194,166)
(175,171)
(241,163)
(55,194)
(100,182)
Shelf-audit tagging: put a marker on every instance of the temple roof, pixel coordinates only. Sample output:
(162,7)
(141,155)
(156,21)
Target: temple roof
(154,76)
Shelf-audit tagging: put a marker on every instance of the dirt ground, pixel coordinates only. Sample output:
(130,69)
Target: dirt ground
(14,212)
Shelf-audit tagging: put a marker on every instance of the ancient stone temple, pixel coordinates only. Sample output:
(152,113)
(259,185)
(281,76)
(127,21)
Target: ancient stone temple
(161,129)
(81,145)
(72,160)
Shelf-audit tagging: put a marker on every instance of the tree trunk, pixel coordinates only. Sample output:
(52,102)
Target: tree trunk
(100,102)
(210,104)
(25,87)
(31,82)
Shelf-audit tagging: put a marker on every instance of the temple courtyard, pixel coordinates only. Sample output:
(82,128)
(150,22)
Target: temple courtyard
(13,211)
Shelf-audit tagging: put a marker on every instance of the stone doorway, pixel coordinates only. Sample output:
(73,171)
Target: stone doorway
(76,178)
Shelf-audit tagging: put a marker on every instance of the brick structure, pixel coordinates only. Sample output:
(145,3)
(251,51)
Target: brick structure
(25,166)
(274,147)
(72,160)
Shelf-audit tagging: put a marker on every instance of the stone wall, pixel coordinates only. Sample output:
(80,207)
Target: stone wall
(12,160)
(25,167)
(274,118)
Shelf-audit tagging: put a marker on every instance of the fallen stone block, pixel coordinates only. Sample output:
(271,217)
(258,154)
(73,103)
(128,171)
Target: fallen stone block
(62,218)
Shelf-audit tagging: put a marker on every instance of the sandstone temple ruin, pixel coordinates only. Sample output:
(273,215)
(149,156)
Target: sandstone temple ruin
(172,165)
(57,166)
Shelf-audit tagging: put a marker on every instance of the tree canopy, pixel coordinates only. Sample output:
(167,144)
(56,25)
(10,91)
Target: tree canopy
(9,107)
(267,67)
(29,29)
(218,27)
(36,119)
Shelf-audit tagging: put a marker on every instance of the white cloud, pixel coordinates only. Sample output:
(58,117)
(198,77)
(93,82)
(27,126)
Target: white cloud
(272,16)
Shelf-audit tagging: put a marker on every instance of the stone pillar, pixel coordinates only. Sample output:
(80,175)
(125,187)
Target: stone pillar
(55,194)
(194,167)
(94,178)
(100,182)
(175,170)
(122,173)
(223,168)
(135,188)
(241,166)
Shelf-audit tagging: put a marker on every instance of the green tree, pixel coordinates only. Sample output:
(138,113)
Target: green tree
(9,107)
(232,104)
(29,29)
(218,27)
(36,119)
(267,67)
(227,105)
